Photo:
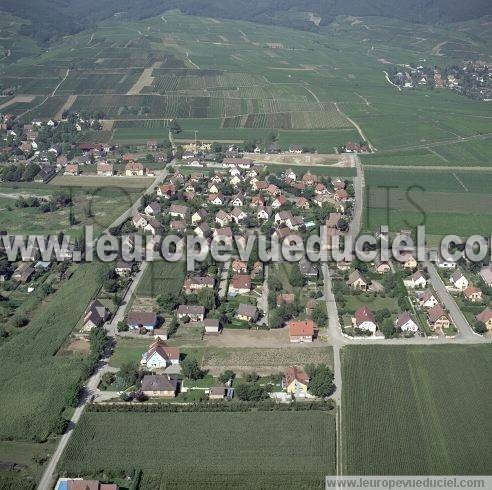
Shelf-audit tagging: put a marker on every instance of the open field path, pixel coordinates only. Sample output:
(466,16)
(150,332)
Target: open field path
(66,106)
(356,126)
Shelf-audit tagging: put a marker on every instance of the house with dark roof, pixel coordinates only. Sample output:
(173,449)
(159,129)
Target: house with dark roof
(95,315)
(159,385)
(142,319)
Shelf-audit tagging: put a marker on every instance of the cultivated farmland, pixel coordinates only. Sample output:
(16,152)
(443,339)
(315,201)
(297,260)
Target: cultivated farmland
(416,410)
(162,277)
(210,450)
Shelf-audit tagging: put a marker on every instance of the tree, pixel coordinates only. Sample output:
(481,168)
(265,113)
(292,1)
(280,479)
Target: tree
(175,127)
(128,374)
(388,328)
(320,315)
(252,377)
(168,301)
(250,392)
(275,319)
(206,297)
(226,376)
(321,380)
(296,278)
(480,327)
(191,369)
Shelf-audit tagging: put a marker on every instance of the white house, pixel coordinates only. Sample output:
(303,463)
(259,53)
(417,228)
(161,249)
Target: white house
(416,280)
(405,323)
(429,299)
(160,355)
(459,280)
(364,320)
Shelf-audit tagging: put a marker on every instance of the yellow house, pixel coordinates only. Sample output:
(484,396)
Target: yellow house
(296,382)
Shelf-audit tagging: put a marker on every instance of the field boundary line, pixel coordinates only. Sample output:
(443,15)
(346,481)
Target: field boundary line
(460,182)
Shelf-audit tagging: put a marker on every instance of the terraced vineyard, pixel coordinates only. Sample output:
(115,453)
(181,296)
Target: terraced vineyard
(240,450)
(413,410)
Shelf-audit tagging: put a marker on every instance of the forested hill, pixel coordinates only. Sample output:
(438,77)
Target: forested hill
(52,18)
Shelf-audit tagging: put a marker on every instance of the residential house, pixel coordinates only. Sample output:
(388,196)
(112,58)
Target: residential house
(341,195)
(222,218)
(238,215)
(140,221)
(166,190)
(473,294)
(296,382)
(357,281)
(196,283)
(134,169)
(235,180)
(159,385)
(486,274)
(160,355)
(486,318)
(381,266)
(195,313)
(295,149)
(438,318)
(240,284)
(203,230)
(223,235)
(198,216)
(178,210)
(123,268)
(23,273)
(153,208)
(273,190)
(217,393)
(216,199)
(237,200)
(338,183)
(309,179)
(278,202)
(406,323)
(141,319)
(332,220)
(459,281)
(302,202)
(212,326)
(153,226)
(247,313)
(320,189)
(178,225)
(264,213)
(442,263)
(416,280)
(364,320)
(95,315)
(308,269)
(301,331)
(105,169)
(257,201)
(429,299)
(408,260)
(71,169)
(239,267)
(282,217)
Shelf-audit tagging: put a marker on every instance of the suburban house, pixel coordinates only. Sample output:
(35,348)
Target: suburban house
(238,215)
(160,355)
(247,312)
(166,190)
(134,169)
(139,220)
(178,211)
(445,264)
(198,216)
(195,283)
(459,281)
(203,230)
(381,266)
(302,202)
(71,169)
(153,226)
(217,393)
(264,213)
(105,169)
(240,284)
(152,208)
(438,318)
(416,280)
(142,319)
(216,199)
(473,294)
(357,281)
(486,274)
(278,202)
(212,325)
(486,318)
(95,315)
(178,225)
(308,269)
(23,273)
(429,299)
(408,261)
(223,235)
(159,385)
(195,313)
(222,218)
(301,331)
(364,320)
(239,267)
(80,484)
(341,195)
(123,268)
(282,217)
(296,382)
(237,200)
(406,323)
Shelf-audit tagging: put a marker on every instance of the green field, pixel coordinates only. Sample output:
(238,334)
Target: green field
(209,450)
(416,410)
(162,277)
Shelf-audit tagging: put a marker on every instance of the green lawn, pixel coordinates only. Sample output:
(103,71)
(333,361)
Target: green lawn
(262,449)
(429,405)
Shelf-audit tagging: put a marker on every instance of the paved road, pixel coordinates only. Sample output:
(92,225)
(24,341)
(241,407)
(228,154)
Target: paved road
(459,320)
(223,279)
(263,299)
(90,389)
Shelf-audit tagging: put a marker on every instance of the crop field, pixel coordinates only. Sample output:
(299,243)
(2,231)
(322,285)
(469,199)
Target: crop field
(162,277)
(91,206)
(33,379)
(260,452)
(426,404)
